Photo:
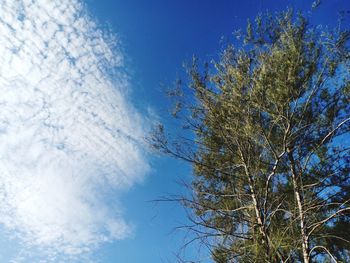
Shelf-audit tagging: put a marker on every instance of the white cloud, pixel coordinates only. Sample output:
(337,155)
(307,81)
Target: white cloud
(68,135)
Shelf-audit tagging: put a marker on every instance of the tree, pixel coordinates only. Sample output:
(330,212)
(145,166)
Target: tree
(266,129)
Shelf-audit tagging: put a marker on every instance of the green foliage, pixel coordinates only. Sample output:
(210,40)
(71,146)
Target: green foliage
(270,152)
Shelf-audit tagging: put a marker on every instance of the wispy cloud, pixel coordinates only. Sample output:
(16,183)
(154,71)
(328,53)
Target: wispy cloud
(68,135)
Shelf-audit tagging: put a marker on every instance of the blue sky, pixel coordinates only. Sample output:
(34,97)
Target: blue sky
(82,81)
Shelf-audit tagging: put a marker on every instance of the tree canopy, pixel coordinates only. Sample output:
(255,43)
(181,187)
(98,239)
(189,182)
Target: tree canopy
(266,128)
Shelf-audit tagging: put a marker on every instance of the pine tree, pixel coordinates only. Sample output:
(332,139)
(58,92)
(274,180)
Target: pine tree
(269,143)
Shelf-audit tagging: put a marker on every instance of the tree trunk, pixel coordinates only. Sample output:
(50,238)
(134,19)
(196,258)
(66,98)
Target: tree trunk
(298,198)
(256,207)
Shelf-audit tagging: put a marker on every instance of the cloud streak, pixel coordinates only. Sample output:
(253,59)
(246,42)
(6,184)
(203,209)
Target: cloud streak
(68,135)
